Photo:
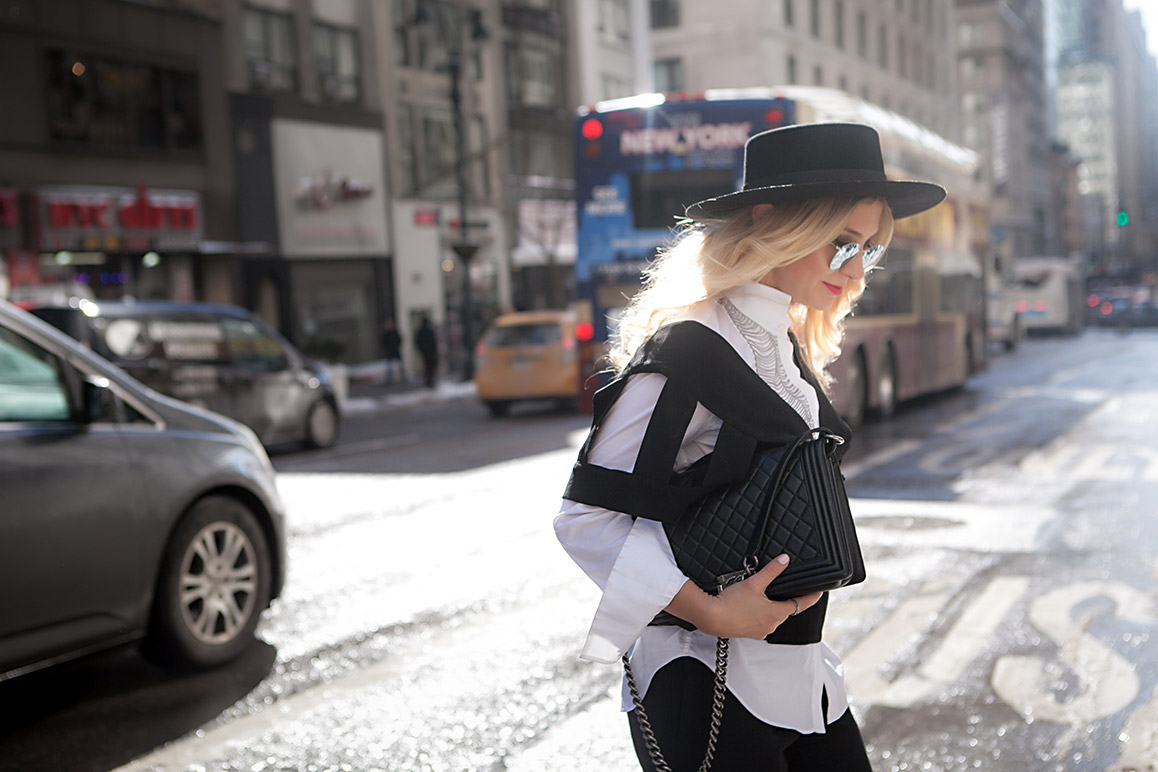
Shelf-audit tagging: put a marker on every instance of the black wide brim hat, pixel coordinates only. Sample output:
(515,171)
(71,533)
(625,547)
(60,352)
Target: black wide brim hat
(818,160)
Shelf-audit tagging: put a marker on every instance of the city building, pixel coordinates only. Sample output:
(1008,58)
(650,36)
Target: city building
(1106,95)
(116,178)
(899,54)
(307,133)
(1004,116)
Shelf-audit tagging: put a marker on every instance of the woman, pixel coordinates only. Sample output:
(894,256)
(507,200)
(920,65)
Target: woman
(766,273)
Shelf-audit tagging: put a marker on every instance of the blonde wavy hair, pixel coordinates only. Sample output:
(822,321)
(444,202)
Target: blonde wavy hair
(708,259)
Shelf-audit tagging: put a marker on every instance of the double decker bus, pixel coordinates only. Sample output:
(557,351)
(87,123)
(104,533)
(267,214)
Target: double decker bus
(919,327)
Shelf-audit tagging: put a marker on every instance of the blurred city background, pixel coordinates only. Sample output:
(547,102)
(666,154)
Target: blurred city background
(301,158)
(251,205)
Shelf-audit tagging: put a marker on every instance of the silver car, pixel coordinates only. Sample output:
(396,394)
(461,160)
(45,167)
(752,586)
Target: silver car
(125,515)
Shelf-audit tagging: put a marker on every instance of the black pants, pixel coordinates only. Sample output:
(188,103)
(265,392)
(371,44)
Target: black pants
(679,707)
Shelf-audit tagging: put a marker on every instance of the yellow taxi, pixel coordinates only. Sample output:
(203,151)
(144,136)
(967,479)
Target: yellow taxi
(529,355)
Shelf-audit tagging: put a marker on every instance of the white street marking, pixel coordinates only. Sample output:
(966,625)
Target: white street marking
(960,645)
(1108,680)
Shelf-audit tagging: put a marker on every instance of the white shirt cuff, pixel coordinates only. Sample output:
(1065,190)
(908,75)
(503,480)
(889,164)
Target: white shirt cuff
(642,583)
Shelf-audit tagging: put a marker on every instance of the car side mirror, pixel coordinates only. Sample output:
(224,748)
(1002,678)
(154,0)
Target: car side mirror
(94,398)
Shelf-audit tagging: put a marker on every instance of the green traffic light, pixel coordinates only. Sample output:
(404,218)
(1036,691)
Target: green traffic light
(1123,219)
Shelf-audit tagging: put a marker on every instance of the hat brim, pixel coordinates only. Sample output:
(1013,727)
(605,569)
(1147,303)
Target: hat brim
(905,198)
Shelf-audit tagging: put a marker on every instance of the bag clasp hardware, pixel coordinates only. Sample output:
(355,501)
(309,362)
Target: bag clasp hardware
(724,581)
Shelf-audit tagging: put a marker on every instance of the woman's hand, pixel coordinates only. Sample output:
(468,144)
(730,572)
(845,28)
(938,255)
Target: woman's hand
(741,610)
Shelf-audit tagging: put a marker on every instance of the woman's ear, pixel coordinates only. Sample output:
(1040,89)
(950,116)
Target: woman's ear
(760,211)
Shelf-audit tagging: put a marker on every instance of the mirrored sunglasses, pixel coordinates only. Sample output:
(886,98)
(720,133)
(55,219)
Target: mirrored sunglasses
(846,252)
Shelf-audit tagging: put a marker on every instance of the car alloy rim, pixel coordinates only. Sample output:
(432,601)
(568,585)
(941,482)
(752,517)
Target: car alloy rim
(323,424)
(218,583)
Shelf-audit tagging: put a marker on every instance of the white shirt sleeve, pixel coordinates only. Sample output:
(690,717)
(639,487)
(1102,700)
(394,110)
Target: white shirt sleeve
(630,560)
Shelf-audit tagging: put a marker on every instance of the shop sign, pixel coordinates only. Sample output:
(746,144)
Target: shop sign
(97,218)
(329,186)
(9,219)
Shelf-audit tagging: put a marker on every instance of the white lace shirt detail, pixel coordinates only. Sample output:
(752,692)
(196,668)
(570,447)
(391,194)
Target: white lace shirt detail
(769,362)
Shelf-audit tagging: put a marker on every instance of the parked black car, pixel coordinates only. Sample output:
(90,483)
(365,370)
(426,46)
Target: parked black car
(220,357)
(125,515)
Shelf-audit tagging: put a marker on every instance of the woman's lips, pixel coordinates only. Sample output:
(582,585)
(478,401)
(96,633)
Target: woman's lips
(835,290)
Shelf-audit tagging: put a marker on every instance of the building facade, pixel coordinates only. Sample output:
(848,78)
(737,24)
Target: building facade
(899,54)
(1107,87)
(307,133)
(115,175)
(1004,116)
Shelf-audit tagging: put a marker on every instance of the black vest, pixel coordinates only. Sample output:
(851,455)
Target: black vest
(700,367)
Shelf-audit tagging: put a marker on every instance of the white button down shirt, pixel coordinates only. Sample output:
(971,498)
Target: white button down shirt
(633,564)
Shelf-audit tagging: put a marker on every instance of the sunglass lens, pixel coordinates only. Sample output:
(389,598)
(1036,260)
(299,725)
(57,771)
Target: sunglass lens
(873,255)
(843,255)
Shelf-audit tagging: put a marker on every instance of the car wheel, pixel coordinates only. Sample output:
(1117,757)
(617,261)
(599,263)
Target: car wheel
(214,583)
(887,386)
(497,408)
(857,398)
(322,425)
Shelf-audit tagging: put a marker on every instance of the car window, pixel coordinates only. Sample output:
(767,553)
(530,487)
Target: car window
(252,348)
(538,334)
(173,339)
(30,385)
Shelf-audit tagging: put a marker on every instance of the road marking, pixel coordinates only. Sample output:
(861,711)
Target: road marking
(880,458)
(1108,681)
(960,645)
(1139,740)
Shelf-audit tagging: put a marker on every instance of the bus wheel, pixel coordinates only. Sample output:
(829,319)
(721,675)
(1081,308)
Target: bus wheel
(857,393)
(887,385)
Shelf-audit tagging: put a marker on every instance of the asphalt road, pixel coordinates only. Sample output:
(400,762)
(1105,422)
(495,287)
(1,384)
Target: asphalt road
(431,622)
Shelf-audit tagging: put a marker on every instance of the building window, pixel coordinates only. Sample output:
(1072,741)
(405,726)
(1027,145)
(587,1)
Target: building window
(791,69)
(669,75)
(665,13)
(339,69)
(402,17)
(269,50)
(861,35)
(814,17)
(818,75)
(902,57)
(883,47)
(839,6)
(534,79)
(615,86)
(407,157)
(615,19)
(788,16)
(105,103)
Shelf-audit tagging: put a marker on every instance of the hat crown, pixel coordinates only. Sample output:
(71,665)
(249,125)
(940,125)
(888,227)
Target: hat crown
(813,153)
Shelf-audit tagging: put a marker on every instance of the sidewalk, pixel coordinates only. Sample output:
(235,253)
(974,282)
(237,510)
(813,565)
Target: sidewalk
(367,391)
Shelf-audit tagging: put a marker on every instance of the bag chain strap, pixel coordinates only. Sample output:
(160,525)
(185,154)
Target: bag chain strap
(653,750)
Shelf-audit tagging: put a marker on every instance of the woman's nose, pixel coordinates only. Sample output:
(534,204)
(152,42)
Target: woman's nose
(854,268)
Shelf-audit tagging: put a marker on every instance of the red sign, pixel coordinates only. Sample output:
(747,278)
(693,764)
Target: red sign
(90,217)
(9,213)
(426,217)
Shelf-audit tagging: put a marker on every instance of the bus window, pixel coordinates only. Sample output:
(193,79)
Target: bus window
(889,290)
(657,198)
(961,290)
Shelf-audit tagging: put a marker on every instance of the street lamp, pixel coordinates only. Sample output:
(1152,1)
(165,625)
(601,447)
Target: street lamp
(449,23)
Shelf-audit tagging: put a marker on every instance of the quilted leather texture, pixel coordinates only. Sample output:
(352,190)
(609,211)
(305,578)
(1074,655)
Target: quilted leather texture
(807,516)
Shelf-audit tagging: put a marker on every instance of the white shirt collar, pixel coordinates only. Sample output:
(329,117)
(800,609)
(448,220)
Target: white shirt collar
(767,306)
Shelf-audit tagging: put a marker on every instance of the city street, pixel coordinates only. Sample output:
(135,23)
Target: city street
(431,621)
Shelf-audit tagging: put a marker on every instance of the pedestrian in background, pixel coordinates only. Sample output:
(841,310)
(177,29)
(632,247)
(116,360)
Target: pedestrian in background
(392,351)
(426,341)
(770,271)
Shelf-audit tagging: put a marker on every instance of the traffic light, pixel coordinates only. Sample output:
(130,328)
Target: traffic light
(1123,219)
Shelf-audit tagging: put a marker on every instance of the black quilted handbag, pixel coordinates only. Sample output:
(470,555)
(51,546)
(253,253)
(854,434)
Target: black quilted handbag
(791,501)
